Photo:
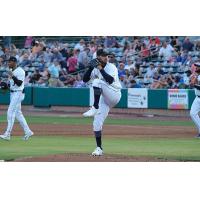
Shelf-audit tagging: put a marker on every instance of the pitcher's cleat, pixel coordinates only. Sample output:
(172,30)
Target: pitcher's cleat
(5,137)
(91,112)
(97,152)
(28,135)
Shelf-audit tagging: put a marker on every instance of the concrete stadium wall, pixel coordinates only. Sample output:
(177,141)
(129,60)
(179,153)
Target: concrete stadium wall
(46,97)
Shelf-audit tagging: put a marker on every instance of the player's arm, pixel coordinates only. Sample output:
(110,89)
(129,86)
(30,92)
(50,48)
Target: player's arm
(108,78)
(17,81)
(87,75)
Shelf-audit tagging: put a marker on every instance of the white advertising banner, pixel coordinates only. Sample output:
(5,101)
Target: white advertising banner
(137,98)
(177,99)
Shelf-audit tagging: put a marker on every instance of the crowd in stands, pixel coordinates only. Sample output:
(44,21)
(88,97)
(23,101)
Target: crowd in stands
(142,62)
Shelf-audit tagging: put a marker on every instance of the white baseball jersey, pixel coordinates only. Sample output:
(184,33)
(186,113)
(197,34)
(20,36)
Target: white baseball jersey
(112,71)
(197,92)
(19,73)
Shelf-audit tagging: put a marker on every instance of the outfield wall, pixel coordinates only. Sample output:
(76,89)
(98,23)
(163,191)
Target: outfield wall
(131,98)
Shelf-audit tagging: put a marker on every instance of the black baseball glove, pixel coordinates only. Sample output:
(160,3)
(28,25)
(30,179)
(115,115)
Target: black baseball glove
(197,86)
(4,85)
(94,63)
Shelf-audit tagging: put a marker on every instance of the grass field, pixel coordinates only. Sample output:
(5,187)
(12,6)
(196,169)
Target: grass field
(80,120)
(182,149)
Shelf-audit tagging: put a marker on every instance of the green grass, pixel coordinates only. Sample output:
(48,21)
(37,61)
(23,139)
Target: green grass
(176,149)
(163,148)
(112,121)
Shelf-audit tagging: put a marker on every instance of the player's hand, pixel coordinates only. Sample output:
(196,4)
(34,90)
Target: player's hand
(99,67)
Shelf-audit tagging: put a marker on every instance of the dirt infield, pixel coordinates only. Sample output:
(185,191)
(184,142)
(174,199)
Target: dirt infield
(109,130)
(89,158)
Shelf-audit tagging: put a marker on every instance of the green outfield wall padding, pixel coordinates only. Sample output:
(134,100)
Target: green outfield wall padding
(45,97)
(157,99)
(123,103)
(191,97)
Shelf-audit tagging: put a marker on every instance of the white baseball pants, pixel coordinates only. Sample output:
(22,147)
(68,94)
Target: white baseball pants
(194,112)
(109,98)
(14,111)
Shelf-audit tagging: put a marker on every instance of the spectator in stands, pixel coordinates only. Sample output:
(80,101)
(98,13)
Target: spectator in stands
(166,51)
(54,70)
(72,62)
(134,84)
(25,62)
(64,51)
(145,52)
(159,69)
(44,79)
(153,47)
(109,42)
(80,45)
(175,43)
(7,41)
(28,42)
(129,65)
(112,59)
(121,70)
(83,58)
(56,55)
(35,76)
(78,83)
(123,81)
(148,77)
(187,45)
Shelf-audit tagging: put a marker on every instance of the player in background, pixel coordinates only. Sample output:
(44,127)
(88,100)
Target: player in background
(16,77)
(195,108)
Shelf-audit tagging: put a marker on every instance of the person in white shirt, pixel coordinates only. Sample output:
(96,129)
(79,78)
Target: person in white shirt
(195,108)
(17,77)
(166,51)
(80,45)
(107,93)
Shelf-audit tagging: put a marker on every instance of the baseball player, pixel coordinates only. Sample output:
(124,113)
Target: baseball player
(196,103)
(16,78)
(107,93)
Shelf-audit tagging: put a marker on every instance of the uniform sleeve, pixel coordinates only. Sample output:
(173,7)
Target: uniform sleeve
(18,78)
(108,78)
(87,75)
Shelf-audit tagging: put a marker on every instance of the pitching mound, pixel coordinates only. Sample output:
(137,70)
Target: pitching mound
(89,158)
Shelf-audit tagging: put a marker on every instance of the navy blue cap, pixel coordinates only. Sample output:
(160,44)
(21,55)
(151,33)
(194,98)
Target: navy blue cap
(12,58)
(102,52)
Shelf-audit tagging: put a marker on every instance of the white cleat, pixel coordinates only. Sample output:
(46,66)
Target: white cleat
(5,137)
(97,152)
(28,135)
(90,113)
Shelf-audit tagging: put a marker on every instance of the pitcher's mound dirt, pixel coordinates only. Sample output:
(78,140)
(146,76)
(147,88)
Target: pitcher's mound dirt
(89,158)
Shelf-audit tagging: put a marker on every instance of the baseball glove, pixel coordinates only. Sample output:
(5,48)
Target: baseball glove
(4,86)
(197,86)
(94,63)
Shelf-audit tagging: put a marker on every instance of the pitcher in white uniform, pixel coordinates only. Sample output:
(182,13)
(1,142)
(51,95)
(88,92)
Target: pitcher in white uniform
(16,76)
(195,108)
(107,93)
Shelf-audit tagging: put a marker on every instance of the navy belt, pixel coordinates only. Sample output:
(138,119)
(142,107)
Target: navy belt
(17,91)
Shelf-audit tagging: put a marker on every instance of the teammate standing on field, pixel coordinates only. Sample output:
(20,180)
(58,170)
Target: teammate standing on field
(195,109)
(107,93)
(16,77)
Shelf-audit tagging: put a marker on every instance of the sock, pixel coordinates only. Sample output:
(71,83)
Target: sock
(98,138)
(97,94)
(98,141)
